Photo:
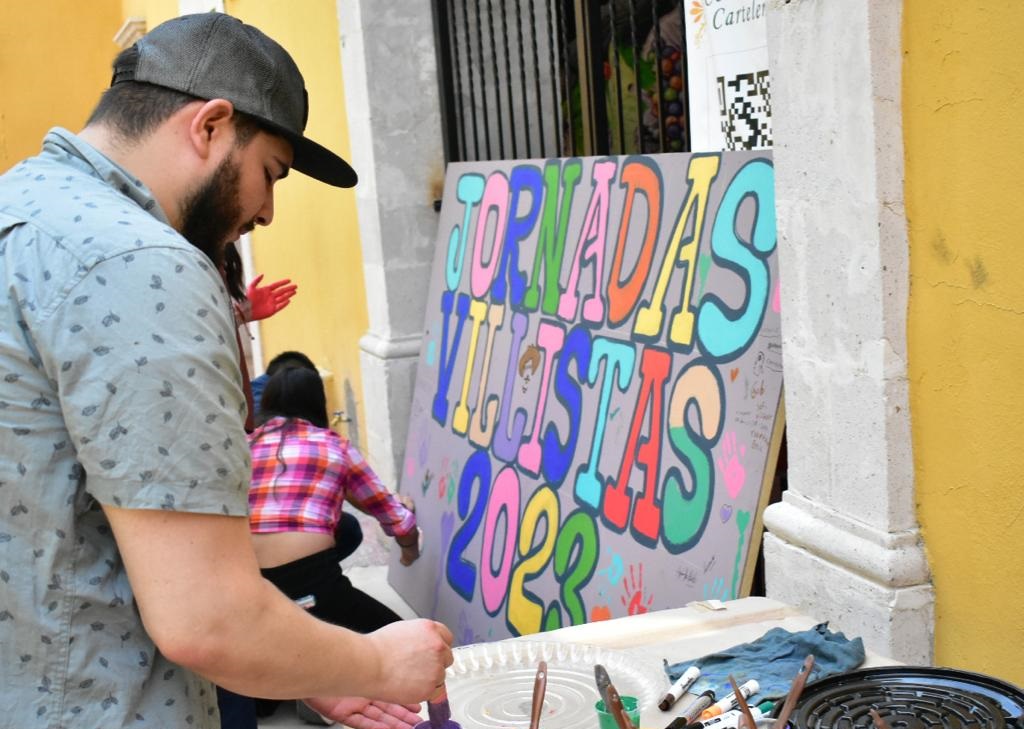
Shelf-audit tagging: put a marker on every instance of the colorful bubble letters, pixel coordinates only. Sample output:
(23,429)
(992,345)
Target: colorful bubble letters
(589,320)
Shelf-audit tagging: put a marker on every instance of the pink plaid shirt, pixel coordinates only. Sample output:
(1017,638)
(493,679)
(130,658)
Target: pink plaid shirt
(301,475)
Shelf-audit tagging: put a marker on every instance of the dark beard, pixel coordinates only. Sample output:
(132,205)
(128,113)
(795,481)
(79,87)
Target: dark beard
(210,216)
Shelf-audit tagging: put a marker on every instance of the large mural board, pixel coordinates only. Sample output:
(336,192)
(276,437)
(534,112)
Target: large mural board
(597,408)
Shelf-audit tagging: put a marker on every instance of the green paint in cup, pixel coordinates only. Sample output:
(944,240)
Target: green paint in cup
(607,721)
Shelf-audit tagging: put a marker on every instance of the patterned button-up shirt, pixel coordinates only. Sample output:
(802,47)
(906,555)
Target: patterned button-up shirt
(302,475)
(119,385)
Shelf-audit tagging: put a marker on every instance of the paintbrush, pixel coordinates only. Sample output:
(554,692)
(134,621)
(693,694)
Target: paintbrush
(438,710)
(747,718)
(540,686)
(794,693)
(880,723)
(603,682)
(615,708)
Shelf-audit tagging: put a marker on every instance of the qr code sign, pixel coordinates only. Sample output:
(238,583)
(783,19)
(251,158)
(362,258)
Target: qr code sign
(745,108)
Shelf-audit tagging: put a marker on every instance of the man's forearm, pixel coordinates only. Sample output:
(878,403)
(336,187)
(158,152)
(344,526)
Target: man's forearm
(205,605)
(259,643)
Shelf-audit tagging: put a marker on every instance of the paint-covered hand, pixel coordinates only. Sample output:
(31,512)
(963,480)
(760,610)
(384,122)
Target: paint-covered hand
(360,713)
(412,656)
(407,502)
(410,546)
(265,301)
(409,555)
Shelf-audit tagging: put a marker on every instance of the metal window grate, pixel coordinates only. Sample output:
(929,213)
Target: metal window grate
(552,78)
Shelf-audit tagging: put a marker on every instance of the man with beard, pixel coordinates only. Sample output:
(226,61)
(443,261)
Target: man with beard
(126,570)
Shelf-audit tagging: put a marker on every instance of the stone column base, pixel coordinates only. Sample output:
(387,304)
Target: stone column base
(863,582)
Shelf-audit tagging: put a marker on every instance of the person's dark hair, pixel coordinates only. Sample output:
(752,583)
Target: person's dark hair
(295,392)
(289,359)
(133,109)
(234,274)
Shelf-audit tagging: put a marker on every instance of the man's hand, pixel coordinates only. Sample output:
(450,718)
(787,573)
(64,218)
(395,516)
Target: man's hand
(265,301)
(365,714)
(412,656)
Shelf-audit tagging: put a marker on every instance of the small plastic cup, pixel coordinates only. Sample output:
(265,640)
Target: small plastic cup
(607,721)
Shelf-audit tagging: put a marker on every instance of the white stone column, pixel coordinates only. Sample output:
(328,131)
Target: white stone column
(844,543)
(391,96)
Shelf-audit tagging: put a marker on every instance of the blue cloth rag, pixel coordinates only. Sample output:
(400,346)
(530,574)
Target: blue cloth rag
(774,660)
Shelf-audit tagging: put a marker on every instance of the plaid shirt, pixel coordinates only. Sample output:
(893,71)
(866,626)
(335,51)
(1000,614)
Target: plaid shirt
(301,476)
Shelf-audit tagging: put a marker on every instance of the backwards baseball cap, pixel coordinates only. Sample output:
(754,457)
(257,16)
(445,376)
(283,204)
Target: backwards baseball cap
(217,56)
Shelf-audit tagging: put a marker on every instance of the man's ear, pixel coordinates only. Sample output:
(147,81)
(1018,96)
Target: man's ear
(211,127)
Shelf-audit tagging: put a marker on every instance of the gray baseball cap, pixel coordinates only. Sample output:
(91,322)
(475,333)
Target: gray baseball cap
(217,56)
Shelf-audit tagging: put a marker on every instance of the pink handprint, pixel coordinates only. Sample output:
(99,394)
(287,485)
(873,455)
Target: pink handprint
(733,472)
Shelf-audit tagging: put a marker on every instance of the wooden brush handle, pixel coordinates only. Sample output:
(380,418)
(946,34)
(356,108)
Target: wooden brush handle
(540,686)
(617,710)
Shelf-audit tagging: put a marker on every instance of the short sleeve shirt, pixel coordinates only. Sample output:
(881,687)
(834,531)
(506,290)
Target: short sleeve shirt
(119,385)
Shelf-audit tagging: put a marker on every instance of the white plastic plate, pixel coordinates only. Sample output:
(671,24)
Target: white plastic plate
(490,685)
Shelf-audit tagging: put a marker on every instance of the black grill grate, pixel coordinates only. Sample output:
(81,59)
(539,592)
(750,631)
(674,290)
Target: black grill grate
(910,698)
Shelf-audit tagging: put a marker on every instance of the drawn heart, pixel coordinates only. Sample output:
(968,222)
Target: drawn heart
(725,512)
(733,373)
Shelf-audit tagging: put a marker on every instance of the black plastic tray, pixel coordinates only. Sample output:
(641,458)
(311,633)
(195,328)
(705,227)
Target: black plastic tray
(902,693)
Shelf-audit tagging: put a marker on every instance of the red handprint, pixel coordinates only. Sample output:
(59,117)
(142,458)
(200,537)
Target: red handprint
(633,597)
(265,301)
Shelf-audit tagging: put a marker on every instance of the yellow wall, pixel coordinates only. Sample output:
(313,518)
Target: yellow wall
(39,44)
(314,239)
(153,11)
(963,104)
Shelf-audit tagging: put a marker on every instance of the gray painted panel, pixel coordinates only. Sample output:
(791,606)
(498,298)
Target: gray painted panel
(601,450)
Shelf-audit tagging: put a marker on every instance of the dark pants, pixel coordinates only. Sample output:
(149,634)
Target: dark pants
(337,601)
(236,711)
(348,535)
(240,712)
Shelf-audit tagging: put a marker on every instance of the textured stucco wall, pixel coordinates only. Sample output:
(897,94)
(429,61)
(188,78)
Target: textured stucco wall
(389,62)
(314,239)
(843,544)
(963,98)
(39,44)
(153,12)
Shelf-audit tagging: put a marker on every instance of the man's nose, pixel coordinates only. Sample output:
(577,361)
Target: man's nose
(266,214)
